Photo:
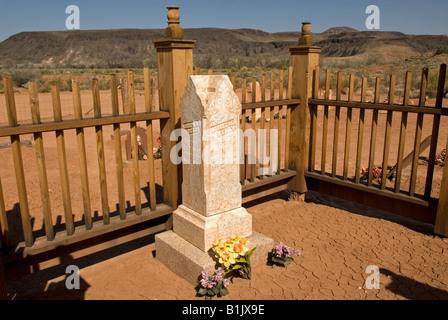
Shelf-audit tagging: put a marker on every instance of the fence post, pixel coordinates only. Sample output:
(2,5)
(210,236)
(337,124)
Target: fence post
(175,65)
(441,225)
(304,59)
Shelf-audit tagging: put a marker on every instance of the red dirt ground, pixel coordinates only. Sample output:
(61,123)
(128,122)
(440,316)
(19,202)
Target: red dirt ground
(338,241)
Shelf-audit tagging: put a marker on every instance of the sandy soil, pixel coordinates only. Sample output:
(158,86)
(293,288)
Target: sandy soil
(338,241)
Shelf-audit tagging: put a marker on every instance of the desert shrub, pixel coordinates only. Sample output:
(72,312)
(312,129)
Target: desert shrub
(56,81)
(69,85)
(21,77)
(43,86)
(441,50)
(104,84)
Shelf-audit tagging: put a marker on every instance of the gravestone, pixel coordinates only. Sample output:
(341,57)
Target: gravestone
(141,139)
(211,191)
(210,114)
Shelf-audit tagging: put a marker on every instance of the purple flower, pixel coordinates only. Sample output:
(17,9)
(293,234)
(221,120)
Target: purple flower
(209,282)
(281,250)
(218,275)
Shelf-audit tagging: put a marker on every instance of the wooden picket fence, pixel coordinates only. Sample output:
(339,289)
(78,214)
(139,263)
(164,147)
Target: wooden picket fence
(376,185)
(90,226)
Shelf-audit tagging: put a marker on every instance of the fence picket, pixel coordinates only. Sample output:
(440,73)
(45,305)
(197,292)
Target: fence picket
(387,133)
(100,152)
(403,127)
(313,123)
(18,162)
(262,136)
(348,126)
(117,148)
(40,159)
(150,144)
(418,132)
(336,125)
(82,157)
(373,132)
(253,123)
(134,143)
(243,125)
(362,113)
(62,157)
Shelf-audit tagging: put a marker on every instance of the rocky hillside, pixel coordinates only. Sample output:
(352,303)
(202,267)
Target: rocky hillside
(215,48)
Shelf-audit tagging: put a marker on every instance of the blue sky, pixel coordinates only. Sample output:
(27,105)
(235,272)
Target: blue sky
(407,16)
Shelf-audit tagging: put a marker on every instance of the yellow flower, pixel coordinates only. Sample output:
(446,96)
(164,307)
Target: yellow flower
(238,248)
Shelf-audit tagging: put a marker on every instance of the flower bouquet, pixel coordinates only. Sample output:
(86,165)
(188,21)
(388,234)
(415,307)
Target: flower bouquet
(440,158)
(234,256)
(157,152)
(210,286)
(376,173)
(282,255)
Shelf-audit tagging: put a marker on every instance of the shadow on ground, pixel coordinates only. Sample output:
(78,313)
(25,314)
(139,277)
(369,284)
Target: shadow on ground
(412,289)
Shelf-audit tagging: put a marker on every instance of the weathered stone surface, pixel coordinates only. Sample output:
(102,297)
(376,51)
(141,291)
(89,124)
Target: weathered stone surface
(203,231)
(210,113)
(211,190)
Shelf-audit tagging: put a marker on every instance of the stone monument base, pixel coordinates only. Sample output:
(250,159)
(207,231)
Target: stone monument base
(203,231)
(187,261)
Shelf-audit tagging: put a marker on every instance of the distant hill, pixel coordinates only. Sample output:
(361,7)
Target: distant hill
(215,48)
(340,29)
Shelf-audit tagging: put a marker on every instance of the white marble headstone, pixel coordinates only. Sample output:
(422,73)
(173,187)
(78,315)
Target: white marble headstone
(210,112)
(211,190)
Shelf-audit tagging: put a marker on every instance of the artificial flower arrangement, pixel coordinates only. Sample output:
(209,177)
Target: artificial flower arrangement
(282,255)
(215,285)
(440,158)
(157,152)
(376,173)
(234,256)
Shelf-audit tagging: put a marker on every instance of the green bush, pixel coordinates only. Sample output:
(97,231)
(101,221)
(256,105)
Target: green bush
(441,50)
(43,86)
